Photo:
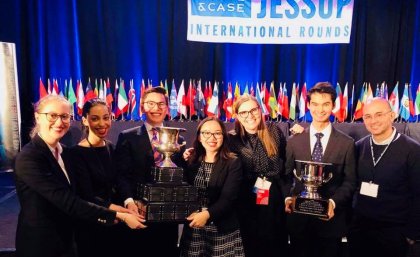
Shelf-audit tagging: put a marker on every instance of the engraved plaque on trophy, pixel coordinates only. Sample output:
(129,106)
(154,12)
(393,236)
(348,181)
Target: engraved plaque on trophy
(312,175)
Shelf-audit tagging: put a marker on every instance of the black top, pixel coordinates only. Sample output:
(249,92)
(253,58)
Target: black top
(94,173)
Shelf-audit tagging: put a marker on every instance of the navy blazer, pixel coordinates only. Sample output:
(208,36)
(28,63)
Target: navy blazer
(340,151)
(48,204)
(223,191)
(134,159)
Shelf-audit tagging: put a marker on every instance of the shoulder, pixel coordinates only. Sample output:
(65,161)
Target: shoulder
(342,136)
(134,130)
(362,141)
(408,142)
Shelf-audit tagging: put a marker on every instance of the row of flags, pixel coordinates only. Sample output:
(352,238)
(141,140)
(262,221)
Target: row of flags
(198,100)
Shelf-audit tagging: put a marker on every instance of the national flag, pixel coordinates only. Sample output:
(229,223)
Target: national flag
(337,105)
(246,90)
(49,87)
(228,103)
(266,96)
(122,101)
(71,96)
(116,97)
(89,92)
(199,101)
(101,91)
(132,101)
(285,102)
(55,89)
(80,95)
(182,108)
(213,107)
(142,90)
(358,113)
(236,93)
(351,101)
(386,92)
(260,101)
(189,99)
(96,89)
(252,91)
(378,92)
(411,101)
(405,104)
(173,104)
(42,91)
(369,94)
(394,101)
(417,102)
(166,88)
(272,102)
(280,101)
(109,98)
(344,103)
(208,98)
(292,111)
(302,102)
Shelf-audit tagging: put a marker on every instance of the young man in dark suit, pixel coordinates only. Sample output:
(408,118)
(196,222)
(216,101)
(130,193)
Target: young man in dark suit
(310,235)
(135,157)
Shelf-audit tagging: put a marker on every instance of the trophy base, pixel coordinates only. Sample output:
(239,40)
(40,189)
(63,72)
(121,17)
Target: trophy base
(314,207)
(167,193)
(173,175)
(166,212)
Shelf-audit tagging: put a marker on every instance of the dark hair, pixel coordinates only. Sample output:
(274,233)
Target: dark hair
(86,109)
(199,151)
(158,90)
(322,88)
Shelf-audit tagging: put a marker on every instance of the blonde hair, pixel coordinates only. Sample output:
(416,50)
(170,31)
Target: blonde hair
(40,105)
(262,131)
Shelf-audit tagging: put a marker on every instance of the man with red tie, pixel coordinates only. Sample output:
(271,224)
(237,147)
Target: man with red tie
(135,156)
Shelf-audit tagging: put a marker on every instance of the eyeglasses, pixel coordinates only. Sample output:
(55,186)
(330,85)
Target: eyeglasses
(53,117)
(253,111)
(152,104)
(208,134)
(376,116)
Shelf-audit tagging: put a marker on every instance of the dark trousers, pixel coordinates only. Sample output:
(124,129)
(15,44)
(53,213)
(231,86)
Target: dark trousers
(313,246)
(368,237)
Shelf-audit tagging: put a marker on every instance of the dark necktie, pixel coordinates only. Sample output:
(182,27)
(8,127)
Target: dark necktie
(156,154)
(317,152)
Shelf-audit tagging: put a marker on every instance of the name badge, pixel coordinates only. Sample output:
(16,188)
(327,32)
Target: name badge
(262,189)
(261,183)
(369,189)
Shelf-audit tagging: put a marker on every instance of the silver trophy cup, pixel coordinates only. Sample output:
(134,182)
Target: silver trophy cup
(168,144)
(312,175)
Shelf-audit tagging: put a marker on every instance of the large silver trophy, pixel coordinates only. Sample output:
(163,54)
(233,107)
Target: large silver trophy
(168,144)
(167,198)
(312,175)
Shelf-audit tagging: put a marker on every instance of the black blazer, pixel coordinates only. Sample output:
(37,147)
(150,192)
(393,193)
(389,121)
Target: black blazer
(48,204)
(134,159)
(340,152)
(223,191)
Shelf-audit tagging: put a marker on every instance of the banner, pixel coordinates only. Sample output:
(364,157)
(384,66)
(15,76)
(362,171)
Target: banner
(270,21)
(9,106)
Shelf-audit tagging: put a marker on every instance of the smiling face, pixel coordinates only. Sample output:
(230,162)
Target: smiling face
(211,136)
(155,108)
(98,121)
(52,131)
(249,116)
(320,106)
(378,118)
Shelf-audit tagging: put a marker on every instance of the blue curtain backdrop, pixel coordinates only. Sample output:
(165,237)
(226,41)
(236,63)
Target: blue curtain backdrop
(136,39)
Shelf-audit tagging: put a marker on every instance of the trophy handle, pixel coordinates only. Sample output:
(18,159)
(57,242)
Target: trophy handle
(328,179)
(298,177)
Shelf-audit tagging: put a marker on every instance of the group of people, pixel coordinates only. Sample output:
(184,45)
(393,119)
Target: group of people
(80,201)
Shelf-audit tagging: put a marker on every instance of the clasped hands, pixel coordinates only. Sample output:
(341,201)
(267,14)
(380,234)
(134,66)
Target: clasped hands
(129,215)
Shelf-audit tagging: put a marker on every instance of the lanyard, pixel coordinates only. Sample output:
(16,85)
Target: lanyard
(375,162)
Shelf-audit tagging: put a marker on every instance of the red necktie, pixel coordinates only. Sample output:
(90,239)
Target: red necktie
(56,154)
(156,154)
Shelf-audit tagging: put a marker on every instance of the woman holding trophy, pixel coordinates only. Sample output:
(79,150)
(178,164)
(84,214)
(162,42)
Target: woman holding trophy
(96,179)
(217,173)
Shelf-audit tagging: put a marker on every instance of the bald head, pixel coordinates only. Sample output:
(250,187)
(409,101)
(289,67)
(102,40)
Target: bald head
(378,118)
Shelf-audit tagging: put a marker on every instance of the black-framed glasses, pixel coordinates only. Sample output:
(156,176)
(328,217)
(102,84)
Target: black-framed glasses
(208,134)
(53,117)
(253,111)
(152,104)
(378,115)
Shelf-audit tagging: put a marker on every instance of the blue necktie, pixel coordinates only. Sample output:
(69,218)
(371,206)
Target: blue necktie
(317,152)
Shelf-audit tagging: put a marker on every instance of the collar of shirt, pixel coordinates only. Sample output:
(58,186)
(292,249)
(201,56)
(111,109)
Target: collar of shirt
(388,140)
(324,140)
(60,160)
(149,129)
